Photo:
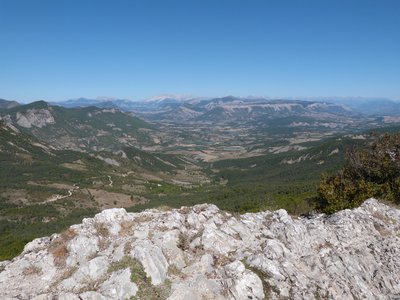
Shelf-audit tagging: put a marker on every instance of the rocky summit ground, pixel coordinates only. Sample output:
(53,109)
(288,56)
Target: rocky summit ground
(201,252)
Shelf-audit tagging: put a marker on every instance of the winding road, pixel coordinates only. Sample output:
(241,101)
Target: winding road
(109,178)
(69,193)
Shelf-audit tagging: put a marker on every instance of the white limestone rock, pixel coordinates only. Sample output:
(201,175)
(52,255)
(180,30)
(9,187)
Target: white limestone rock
(35,117)
(153,260)
(68,296)
(201,252)
(91,295)
(119,286)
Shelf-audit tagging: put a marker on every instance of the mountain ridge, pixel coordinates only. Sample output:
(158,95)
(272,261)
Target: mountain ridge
(6,104)
(81,129)
(362,105)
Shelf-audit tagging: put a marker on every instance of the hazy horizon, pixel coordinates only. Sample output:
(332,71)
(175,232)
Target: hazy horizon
(188,97)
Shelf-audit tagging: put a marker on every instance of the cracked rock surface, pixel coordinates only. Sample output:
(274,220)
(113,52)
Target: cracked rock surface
(201,252)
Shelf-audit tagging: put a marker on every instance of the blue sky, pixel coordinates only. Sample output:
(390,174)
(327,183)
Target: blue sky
(63,49)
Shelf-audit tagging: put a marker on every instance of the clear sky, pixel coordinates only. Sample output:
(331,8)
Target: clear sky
(63,49)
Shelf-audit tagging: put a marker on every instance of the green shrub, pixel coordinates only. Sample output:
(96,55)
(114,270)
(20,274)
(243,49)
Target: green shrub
(373,171)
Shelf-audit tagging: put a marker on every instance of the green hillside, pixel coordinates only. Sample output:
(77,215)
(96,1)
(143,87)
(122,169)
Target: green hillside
(88,128)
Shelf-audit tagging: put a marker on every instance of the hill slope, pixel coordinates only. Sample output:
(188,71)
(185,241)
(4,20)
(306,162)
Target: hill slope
(83,129)
(6,104)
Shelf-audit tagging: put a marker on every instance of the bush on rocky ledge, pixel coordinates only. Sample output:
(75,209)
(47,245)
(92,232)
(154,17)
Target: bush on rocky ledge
(373,171)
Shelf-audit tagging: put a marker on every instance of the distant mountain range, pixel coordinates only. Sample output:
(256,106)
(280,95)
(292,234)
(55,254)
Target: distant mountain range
(364,105)
(167,109)
(369,106)
(185,108)
(84,102)
(228,109)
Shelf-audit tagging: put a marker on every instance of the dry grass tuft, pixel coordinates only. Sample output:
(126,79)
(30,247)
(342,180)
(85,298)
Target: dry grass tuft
(143,218)
(60,255)
(126,228)
(32,270)
(221,260)
(127,248)
(185,210)
(164,208)
(101,229)
(173,271)
(68,234)
(59,249)
(183,241)
(103,233)
(67,274)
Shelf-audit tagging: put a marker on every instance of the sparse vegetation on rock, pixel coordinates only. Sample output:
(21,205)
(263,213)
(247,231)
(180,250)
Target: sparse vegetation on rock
(373,171)
(276,257)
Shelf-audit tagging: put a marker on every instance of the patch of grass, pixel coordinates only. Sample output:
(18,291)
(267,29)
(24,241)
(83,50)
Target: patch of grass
(60,254)
(126,228)
(90,285)
(164,208)
(32,270)
(127,248)
(320,294)
(174,271)
(59,248)
(146,291)
(221,260)
(67,273)
(267,287)
(183,242)
(101,230)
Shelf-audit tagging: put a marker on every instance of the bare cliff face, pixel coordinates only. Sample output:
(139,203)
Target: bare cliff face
(35,117)
(201,252)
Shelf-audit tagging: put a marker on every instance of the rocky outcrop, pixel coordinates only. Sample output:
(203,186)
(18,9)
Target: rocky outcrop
(204,253)
(35,117)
